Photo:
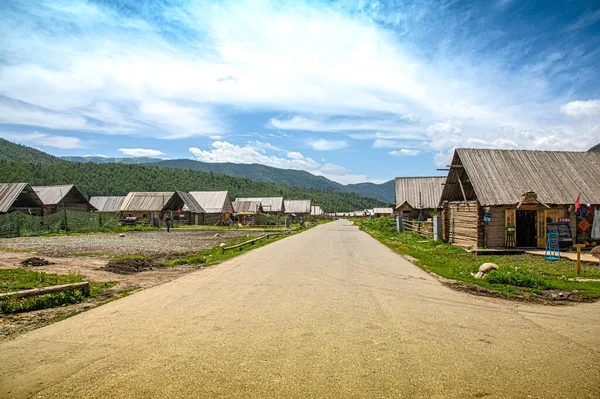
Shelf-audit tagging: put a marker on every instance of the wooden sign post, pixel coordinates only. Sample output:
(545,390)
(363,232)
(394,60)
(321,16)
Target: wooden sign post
(579,246)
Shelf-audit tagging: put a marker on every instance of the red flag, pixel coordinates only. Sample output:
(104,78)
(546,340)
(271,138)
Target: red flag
(577,203)
(179,210)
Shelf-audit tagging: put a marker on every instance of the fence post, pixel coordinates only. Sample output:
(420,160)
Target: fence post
(399,224)
(437,228)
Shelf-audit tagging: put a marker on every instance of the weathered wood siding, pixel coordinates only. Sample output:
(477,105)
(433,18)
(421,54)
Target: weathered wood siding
(495,230)
(461,220)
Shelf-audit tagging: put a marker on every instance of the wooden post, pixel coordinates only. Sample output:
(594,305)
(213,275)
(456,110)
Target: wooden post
(579,246)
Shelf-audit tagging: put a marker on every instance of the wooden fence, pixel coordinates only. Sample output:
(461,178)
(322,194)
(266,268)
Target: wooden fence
(423,228)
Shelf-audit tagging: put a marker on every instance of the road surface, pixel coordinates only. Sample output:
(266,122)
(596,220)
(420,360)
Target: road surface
(329,313)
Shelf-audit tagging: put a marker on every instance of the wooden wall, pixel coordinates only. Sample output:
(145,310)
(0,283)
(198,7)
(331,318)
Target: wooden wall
(461,222)
(494,233)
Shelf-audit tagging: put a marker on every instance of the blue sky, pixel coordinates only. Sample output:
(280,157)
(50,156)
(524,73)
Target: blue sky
(352,90)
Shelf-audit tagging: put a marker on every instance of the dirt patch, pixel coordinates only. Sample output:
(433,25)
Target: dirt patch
(130,266)
(35,261)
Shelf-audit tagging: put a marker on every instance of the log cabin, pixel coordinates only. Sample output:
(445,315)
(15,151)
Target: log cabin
(216,204)
(62,197)
(418,197)
(20,197)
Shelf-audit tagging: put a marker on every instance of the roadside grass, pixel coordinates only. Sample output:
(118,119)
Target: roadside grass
(522,275)
(21,279)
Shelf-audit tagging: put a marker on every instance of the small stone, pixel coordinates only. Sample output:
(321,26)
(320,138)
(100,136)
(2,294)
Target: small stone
(216,235)
(488,267)
(222,244)
(121,235)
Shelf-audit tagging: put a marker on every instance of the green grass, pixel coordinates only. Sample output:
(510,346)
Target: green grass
(518,274)
(21,279)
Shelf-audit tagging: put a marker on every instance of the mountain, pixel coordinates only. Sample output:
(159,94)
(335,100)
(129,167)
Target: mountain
(595,148)
(16,152)
(384,192)
(121,178)
(97,159)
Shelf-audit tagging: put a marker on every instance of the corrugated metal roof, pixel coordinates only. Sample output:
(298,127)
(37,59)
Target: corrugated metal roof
(297,206)
(189,203)
(386,211)
(146,201)
(107,204)
(408,189)
(243,206)
(270,204)
(213,201)
(10,192)
(52,195)
(500,177)
(316,210)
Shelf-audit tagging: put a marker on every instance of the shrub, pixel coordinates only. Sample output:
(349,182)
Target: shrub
(517,277)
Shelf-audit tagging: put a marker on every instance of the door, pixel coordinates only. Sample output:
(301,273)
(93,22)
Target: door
(526,229)
(509,224)
(541,228)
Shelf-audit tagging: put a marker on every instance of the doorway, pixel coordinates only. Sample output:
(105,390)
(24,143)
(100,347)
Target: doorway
(525,225)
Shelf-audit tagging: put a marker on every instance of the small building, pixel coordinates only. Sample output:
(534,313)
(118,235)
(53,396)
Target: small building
(247,212)
(379,212)
(316,212)
(107,203)
(20,197)
(298,209)
(418,197)
(270,205)
(63,197)
(151,207)
(216,204)
(507,198)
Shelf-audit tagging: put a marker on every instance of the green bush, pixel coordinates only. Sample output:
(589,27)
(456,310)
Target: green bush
(517,277)
(40,302)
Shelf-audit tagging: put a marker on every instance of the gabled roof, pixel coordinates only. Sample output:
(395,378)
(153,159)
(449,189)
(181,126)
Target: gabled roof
(297,206)
(13,193)
(430,190)
(248,207)
(53,195)
(107,204)
(385,211)
(189,203)
(270,204)
(146,201)
(213,201)
(500,177)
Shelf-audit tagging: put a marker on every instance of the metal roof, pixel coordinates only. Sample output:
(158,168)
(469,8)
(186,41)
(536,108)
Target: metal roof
(430,190)
(500,177)
(270,204)
(146,201)
(107,204)
(297,206)
(316,210)
(52,195)
(10,192)
(243,206)
(213,201)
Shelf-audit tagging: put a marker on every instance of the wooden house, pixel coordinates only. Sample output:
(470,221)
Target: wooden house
(297,209)
(418,197)
(216,204)
(506,198)
(20,197)
(379,212)
(67,197)
(270,205)
(247,211)
(107,203)
(152,207)
(316,212)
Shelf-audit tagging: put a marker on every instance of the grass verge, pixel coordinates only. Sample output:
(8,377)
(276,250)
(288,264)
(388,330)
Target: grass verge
(525,275)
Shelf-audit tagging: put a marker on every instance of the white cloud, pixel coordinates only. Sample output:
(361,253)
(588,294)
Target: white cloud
(223,151)
(140,152)
(327,145)
(404,152)
(580,109)
(46,140)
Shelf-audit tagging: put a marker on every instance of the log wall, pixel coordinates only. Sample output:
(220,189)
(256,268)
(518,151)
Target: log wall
(461,223)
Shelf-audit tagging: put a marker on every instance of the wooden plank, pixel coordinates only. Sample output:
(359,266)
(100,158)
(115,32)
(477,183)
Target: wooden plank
(83,286)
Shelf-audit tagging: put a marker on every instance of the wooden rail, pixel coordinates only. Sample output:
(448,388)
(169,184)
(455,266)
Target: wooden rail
(83,286)
(422,228)
(252,241)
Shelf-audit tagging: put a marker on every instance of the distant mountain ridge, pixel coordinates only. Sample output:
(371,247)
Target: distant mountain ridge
(595,148)
(290,177)
(20,153)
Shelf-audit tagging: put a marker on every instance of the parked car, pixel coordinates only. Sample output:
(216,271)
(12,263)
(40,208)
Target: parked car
(565,238)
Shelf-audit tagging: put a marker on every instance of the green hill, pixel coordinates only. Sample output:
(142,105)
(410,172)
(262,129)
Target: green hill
(20,153)
(384,192)
(120,178)
(595,148)
(97,159)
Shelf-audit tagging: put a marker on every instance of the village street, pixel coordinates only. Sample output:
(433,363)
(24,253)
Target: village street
(325,314)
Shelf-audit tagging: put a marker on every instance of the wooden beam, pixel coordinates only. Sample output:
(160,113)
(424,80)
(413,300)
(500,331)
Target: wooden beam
(84,287)
(462,189)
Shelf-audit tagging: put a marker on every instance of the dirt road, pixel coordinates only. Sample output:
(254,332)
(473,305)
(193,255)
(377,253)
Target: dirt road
(329,313)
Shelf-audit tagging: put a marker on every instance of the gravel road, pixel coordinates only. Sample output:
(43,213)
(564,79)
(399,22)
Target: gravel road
(329,313)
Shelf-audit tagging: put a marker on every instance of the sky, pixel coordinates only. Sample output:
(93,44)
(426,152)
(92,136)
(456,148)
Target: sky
(355,91)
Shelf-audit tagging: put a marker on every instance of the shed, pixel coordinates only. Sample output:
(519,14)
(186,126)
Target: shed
(379,212)
(270,205)
(418,197)
(216,204)
(316,211)
(57,198)
(298,208)
(107,204)
(506,198)
(247,211)
(184,208)
(19,197)
(146,206)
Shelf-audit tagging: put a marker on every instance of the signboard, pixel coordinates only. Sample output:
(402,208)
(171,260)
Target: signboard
(487,217)
(552,247)
(530,198)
